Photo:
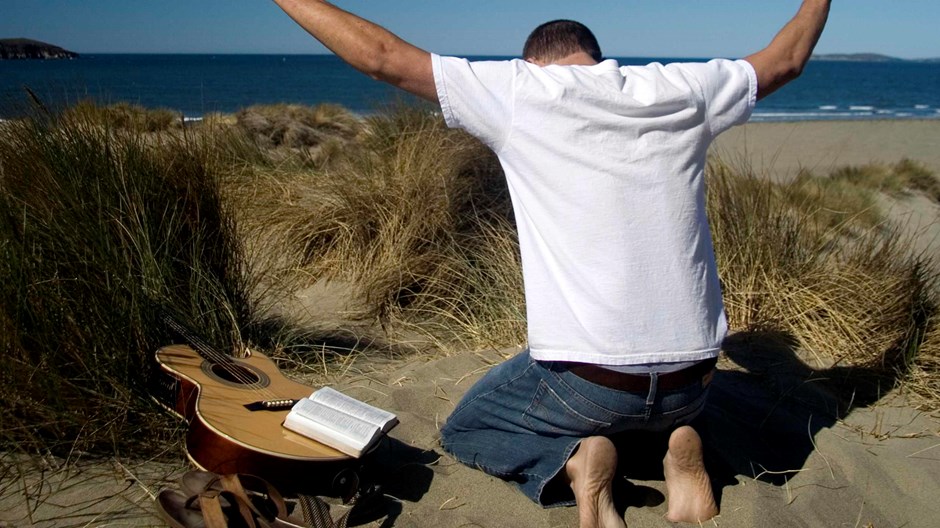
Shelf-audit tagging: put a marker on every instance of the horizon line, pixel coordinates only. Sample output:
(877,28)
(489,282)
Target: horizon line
(502,56)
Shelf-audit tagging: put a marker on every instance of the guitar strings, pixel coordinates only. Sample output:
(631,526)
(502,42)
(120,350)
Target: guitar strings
(236,371)
(225,361)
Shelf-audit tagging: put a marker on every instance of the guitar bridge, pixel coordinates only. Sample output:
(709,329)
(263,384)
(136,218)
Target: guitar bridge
(270,405)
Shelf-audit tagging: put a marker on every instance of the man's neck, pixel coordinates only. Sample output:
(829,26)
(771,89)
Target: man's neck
(579,58)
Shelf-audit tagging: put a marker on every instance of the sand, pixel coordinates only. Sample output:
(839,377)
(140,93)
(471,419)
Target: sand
(781,150)
(785,446)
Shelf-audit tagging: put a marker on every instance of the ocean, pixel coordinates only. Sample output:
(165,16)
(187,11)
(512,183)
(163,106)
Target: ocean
(199,84)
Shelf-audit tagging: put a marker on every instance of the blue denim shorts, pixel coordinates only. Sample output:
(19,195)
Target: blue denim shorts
(524,419)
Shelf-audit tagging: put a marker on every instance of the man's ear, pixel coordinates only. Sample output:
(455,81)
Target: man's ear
(535,61)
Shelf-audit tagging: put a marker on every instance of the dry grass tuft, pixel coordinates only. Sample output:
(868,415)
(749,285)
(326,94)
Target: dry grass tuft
(125,116)
(918,177)
(317,132)
(847,293)
(411,213)
(833,203)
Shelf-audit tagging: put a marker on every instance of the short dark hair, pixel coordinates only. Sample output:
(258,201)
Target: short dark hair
(559,38)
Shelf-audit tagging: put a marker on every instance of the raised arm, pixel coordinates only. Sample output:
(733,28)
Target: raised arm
(783,60)
(367,47)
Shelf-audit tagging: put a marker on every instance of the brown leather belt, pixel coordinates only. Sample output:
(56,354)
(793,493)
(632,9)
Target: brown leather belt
(641,382)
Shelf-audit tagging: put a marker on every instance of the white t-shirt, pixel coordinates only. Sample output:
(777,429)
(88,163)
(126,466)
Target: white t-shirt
(605,167)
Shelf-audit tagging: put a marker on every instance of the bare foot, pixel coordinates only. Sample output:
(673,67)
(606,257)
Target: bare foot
(591,473)
(690,491)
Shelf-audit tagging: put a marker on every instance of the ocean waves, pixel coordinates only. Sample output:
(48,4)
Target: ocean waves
(847,112)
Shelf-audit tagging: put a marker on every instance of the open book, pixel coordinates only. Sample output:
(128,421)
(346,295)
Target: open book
(339,421)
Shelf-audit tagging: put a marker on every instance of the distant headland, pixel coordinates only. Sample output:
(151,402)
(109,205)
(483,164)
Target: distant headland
(20,48)
(866,57)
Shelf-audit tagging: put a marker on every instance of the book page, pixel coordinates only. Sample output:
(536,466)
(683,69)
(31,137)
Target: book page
(325,435)
(349,405)
(358,432)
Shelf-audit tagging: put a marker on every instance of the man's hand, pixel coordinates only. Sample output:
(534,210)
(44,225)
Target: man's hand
(367,47)
(783,60)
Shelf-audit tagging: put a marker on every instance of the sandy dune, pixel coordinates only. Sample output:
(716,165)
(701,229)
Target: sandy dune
(786,445)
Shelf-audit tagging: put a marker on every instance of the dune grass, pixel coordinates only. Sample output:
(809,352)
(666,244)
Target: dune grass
(125,116)
(316,133)
(848,292)
(415,216)
(895,179)
(100,232)
(102,227)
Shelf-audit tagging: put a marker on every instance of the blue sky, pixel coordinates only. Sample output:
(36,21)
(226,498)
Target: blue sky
(649,28)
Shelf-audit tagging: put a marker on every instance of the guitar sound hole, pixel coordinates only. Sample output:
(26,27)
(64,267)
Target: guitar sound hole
(234,374)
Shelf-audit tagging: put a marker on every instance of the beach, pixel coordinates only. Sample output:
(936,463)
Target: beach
(781,150)
(782,448)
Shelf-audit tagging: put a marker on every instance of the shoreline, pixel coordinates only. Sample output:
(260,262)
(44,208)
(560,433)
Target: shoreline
(795,118)
(776,118)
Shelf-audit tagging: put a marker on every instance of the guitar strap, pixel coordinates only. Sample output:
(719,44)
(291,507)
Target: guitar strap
(316,511)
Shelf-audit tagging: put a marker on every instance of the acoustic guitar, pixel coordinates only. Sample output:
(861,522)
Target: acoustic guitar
(235,409)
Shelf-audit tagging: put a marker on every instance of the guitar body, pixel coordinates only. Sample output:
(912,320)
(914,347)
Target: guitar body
(225,436)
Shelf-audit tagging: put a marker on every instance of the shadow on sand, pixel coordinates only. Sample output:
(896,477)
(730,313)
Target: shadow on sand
(410,467)
(760,421)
